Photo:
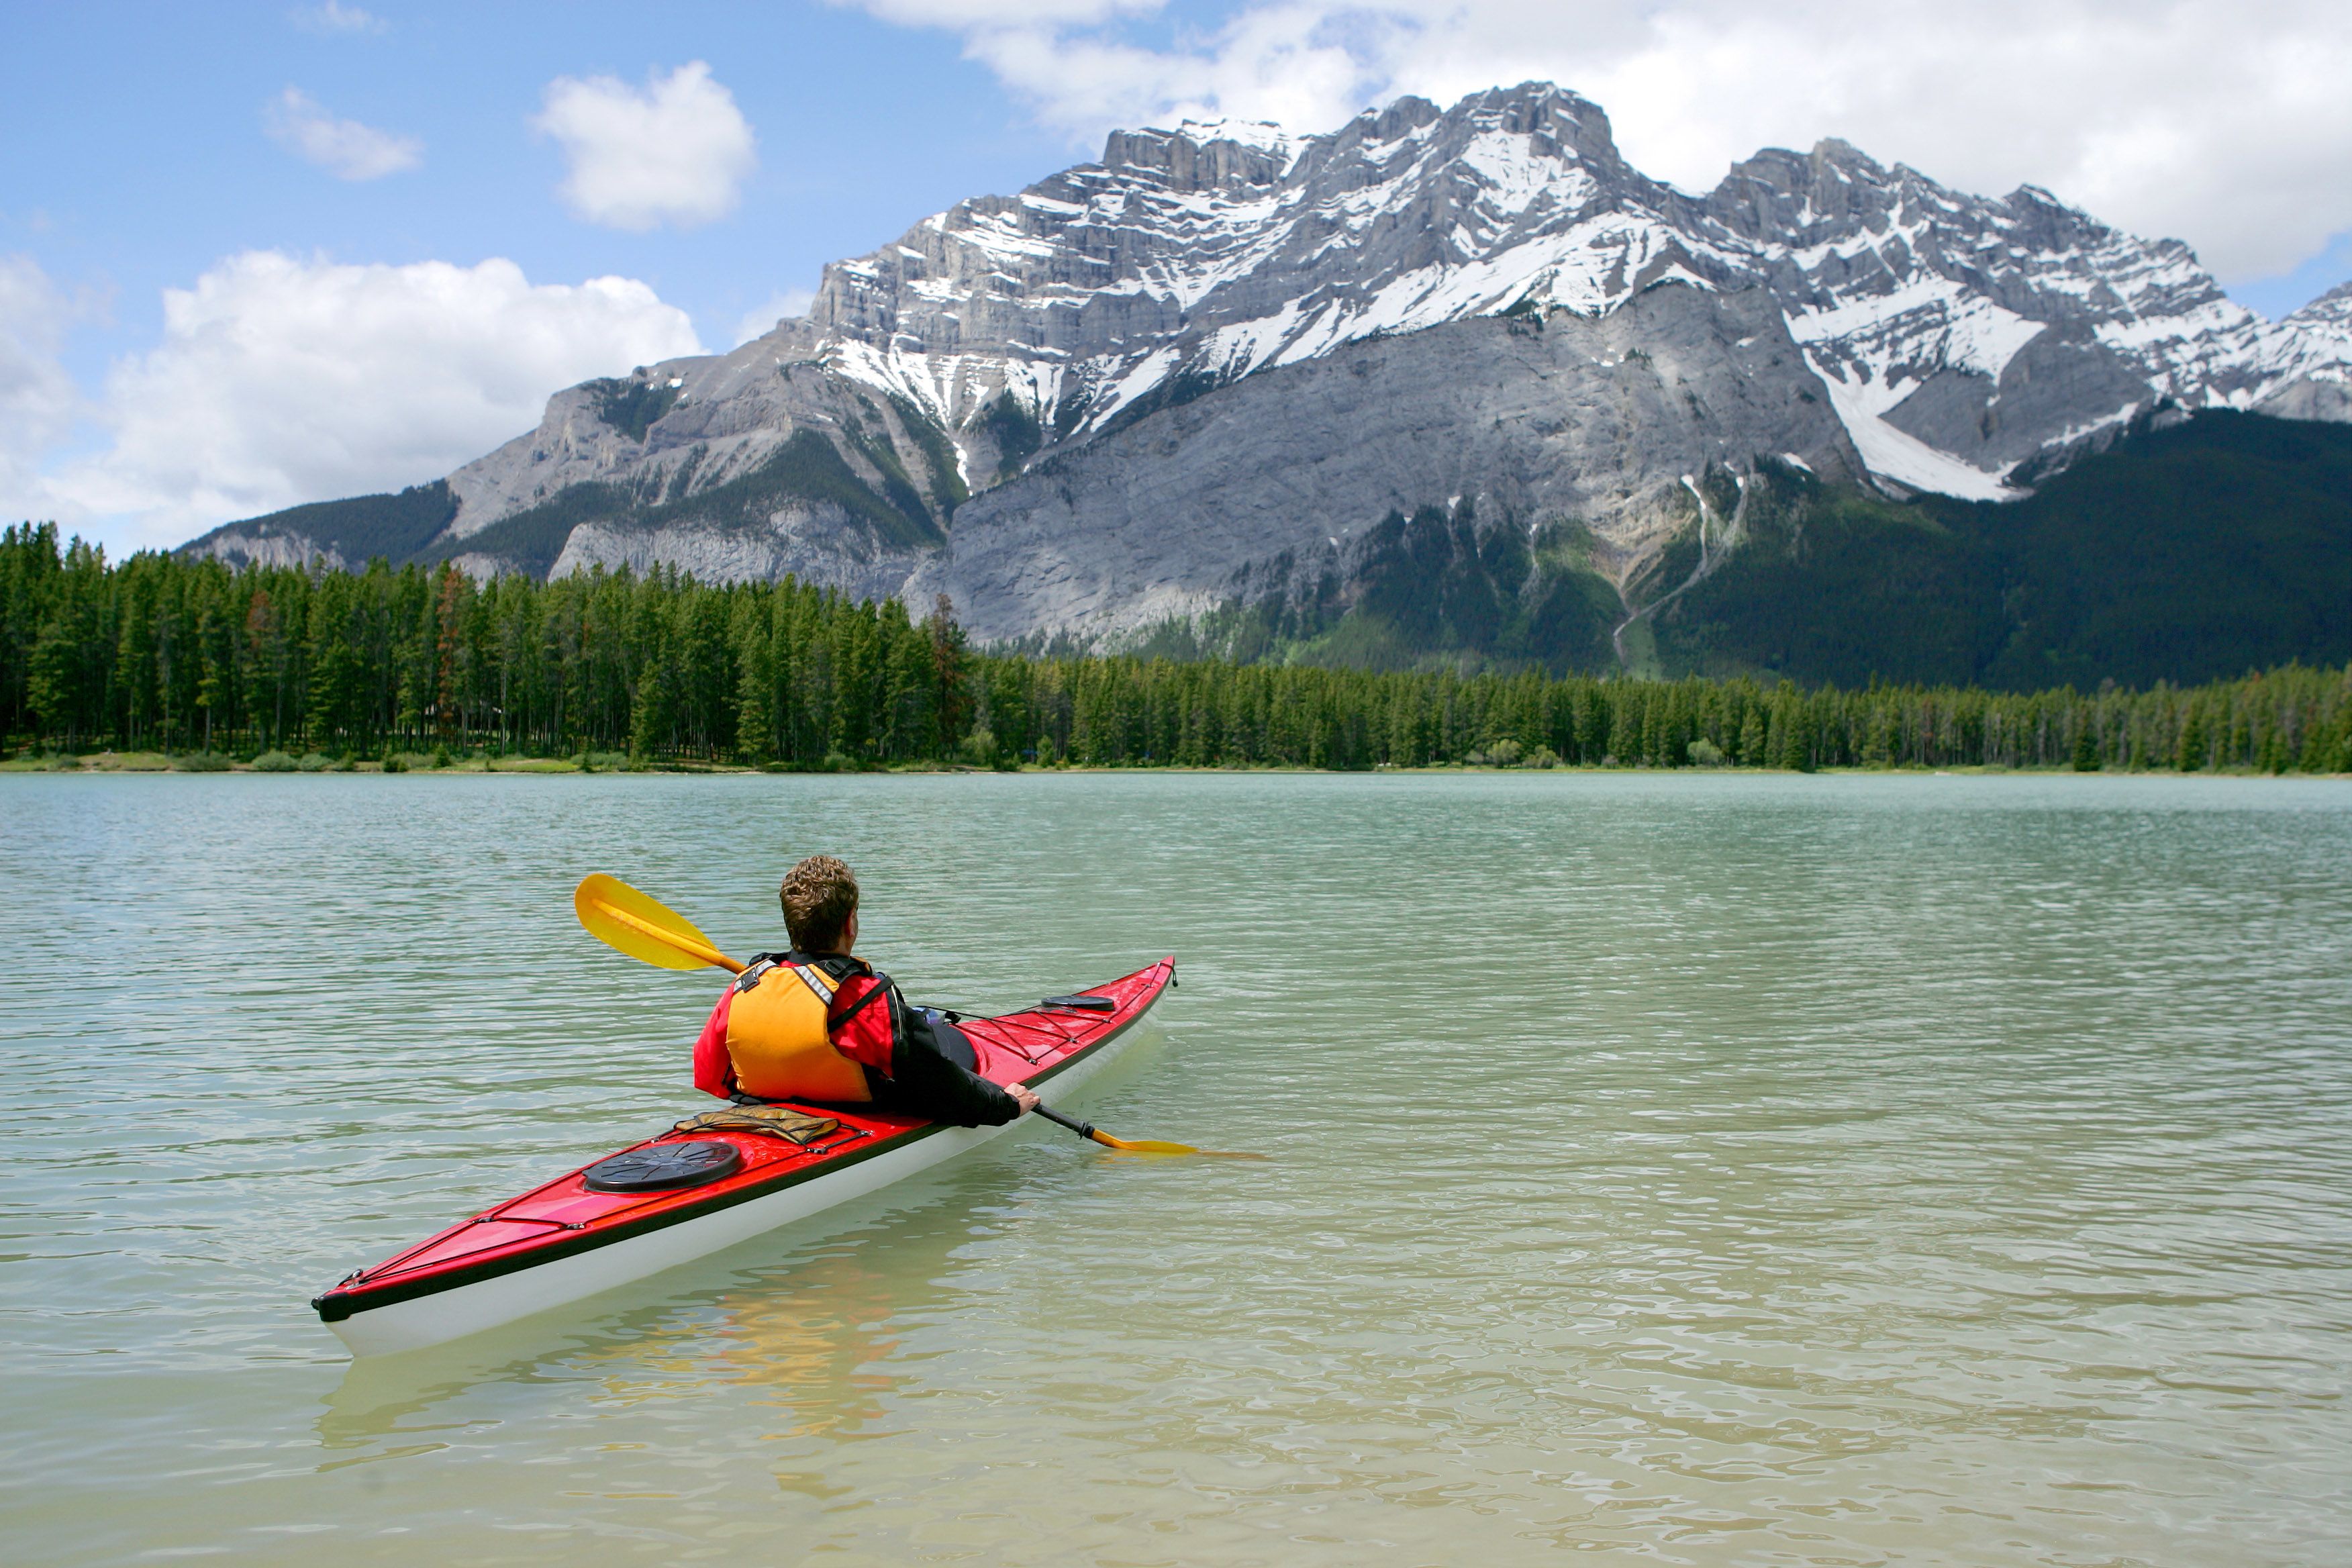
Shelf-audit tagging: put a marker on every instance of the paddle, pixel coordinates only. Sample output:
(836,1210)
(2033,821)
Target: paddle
(652,933)
(1136,1145)
(644,927)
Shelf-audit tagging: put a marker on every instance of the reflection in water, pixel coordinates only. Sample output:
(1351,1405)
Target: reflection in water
(809,1331)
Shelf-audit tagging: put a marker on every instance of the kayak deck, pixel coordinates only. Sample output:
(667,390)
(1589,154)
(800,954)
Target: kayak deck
(564,1219)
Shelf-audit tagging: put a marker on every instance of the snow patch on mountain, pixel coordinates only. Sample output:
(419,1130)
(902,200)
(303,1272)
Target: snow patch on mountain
(1895,455)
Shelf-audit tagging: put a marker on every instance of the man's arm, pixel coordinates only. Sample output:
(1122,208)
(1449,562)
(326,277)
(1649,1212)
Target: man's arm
(887,1034)
(945,1090)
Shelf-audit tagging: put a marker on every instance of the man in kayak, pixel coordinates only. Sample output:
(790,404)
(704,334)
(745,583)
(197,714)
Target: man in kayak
(814,1023)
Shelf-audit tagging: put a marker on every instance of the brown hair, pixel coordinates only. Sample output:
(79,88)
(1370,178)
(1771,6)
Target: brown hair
(819,895)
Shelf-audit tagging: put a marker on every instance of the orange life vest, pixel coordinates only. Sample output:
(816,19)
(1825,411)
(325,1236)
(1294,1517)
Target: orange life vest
(779,1036)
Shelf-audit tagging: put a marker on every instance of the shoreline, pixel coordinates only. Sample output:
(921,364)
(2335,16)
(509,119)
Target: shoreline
(422,764)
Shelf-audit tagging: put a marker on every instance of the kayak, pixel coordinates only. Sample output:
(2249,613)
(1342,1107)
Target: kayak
(689,1191)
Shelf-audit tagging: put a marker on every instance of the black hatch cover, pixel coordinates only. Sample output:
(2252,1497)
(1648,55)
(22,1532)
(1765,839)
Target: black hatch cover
(658,1167)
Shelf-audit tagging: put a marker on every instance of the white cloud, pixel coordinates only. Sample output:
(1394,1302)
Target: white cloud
(335,18)
(761,319)
(963,15)
(344,148)
(1305,65)
(280,381)
(676,151)
(2222,124)
(39,402)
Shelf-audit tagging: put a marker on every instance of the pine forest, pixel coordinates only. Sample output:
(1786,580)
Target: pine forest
(187,657)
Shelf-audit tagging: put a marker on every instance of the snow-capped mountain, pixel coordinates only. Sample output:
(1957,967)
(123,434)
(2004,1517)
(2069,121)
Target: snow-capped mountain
(1215,250)
(2327,317)
(1223,352)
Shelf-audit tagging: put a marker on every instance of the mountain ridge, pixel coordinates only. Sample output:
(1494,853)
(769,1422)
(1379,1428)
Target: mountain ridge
(1207,367)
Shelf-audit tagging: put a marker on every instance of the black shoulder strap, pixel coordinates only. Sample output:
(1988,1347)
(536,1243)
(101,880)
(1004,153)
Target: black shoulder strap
(882,987)
(841,965)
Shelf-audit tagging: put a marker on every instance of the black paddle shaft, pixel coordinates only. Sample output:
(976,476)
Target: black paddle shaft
(1083,1129)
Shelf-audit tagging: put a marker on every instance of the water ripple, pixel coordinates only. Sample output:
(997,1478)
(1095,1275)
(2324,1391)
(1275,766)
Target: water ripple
(1712,1170)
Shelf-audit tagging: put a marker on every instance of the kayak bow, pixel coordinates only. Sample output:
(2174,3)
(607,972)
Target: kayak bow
(569,1239)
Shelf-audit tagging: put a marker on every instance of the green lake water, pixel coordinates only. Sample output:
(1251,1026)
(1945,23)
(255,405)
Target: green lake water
(1707,1169)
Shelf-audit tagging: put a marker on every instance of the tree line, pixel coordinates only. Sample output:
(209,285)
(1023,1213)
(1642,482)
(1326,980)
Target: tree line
(162,653)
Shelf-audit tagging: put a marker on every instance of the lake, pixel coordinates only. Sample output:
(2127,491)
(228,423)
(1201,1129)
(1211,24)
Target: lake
(1706,1169)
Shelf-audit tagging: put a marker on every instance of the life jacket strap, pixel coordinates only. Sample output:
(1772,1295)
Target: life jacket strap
(757,969)
(834,1021)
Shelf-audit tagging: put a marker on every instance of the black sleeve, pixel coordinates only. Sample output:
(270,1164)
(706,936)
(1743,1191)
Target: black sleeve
(928,1084)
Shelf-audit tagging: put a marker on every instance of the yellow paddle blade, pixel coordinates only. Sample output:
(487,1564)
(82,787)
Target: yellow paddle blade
(1154,1146)
(646,929)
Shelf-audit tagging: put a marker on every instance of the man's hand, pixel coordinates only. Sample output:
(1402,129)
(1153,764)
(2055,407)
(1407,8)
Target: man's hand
(1023,1096)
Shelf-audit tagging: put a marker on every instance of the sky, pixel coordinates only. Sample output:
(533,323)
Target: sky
(256,255)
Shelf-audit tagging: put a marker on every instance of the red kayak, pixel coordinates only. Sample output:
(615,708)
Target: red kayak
(693,1191)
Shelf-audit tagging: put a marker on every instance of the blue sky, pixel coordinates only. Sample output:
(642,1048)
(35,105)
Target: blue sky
(396,179)
(137,153)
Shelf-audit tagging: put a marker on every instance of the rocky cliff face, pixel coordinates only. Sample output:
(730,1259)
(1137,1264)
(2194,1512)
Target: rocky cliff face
(1274,485)
(1209,363)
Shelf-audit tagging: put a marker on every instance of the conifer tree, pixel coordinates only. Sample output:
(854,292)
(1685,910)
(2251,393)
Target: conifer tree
(2087,746)
(2189,756)
(1797,735)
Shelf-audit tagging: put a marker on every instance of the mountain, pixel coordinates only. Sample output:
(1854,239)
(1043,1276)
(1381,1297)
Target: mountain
(2327,318)
(1225,369)
(2112,569)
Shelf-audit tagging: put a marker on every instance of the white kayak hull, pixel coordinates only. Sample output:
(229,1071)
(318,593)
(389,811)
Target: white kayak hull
(470,1308)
